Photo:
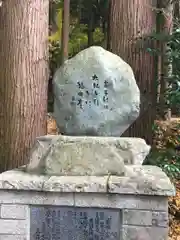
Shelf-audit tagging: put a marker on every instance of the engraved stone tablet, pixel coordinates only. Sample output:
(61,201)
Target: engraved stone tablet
(95,94)
(72,223)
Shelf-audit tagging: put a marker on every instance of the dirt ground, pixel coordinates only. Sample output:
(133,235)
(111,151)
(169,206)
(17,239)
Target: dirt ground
(174,202)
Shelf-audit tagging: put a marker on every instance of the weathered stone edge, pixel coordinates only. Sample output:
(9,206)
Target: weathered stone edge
(139,180)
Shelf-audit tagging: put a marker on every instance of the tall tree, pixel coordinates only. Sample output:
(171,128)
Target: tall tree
(65,30)
(176,9)
(164,28)
(23,78)
(131,22)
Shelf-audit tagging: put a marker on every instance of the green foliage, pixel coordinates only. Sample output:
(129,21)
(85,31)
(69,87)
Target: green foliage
(78,39)
(58,21)
(168,160)
(165,154)
(174,92)
(54,56)
(173,55)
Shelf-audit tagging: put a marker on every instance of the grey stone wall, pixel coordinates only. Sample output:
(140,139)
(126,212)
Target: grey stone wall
(14,221)
(143,217)
(146,225)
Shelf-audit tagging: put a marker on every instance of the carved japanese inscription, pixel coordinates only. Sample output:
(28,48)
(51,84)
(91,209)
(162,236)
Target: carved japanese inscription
(72,223)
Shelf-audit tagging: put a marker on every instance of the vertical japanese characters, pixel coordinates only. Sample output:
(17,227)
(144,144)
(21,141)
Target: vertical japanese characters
(87,98)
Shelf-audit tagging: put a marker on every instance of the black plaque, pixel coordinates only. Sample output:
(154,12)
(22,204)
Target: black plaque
(73,223)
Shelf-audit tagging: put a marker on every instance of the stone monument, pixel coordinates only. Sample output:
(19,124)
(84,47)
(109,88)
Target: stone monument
(95,95)
(89,183)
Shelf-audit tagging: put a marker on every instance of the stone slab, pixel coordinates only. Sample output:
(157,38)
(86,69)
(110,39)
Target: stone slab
(95,94)
(137,217)
(146,180)
(143,180)
(85,156)
(36,198)
(133,202)
(13,237)
(74,223)
(160,219)
(145,218)
(102,200)
(14,227)
(9,211)
(144,233)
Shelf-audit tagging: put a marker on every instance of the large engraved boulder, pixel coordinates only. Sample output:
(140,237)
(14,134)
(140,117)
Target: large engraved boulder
(95,94)
(80,156)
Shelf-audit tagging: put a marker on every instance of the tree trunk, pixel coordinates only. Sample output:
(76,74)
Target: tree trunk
(176,24)
(23,78)
(65,31)
(177,10)
(131,22)
(165,26)
(90,25)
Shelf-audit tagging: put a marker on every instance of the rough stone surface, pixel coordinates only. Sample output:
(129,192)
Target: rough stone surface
(137,217)
(16,227)
(145,218)
(65,155)
(39,150)
(13,237)
(95,94)
(160,219)
(144,233)
(81,199)
(147,180)
(36,198)
(13,211)
(122,201)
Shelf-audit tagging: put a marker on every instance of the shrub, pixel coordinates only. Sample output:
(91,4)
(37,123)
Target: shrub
(165,152)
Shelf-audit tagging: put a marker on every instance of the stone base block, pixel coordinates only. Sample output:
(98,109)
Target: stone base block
(82,208)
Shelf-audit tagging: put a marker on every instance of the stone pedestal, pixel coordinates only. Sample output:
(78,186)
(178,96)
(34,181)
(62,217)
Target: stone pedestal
(132,207)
